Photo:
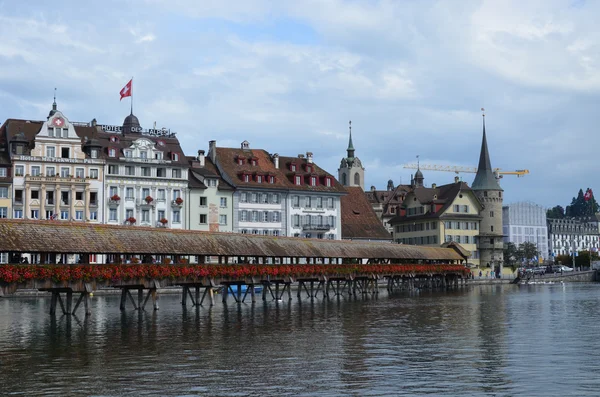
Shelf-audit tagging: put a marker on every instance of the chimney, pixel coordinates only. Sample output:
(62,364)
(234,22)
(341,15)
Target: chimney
(309,157)
(276,160)
(300,156)
(212,151)
(456,179)
(373,188)
(433,185)
(201,157)
(94,122)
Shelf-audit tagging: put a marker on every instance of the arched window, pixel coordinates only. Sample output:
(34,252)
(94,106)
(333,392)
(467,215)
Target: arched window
(357,179)
(344,180)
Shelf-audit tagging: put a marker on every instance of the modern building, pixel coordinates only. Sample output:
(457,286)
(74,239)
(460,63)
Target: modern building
(359,220)
(209,204)
(387,203)
(287,196)
(53,177)
(146,174)
(568,236)
(436,215)
(351,171)
(526,222)
(490,242)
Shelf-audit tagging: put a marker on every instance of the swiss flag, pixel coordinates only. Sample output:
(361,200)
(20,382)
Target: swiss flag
(588,195)
(126,91)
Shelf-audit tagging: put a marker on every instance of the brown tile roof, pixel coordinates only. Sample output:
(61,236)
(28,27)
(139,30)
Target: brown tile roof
(443,195)
(233,171)
(17,235)
(197,173)
(359,220)
(388,199)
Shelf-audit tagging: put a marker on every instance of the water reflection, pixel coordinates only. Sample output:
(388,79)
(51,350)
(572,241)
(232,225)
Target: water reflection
(497,340)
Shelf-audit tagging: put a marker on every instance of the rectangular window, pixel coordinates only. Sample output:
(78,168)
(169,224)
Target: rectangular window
(79,196)
(130,170)
(3,192)
(330,203)
(3,212)
(79,173)
(113,169)
(93,215)
(64,152)
(64,215)
(203,201)
(161,194)
(243,197)
(19,170)
(176,194)
(35,214)
(243,216)
(161,172)
(298,180)
(79,215)
(313,181)
(307,202)
(264,198)
(94,153)
(93,198)
(145,192)
(18,214)
(35,170)
(146,216)
(35,194)
(456,208)
(328,182)
(203,219)
(276,216)
(254,216)
(161,214)
(146,171)
(466,209)
(112,152)
(128,214)
(491,214)
(254,197)
(129,194)
(177,216)
(275,198)
(112,191)
(265,216)
(296,220)
(93,173)
(64,198)
(176,173)
(296,201)
(2,172)
(222,219)
(64,172)
(50,151)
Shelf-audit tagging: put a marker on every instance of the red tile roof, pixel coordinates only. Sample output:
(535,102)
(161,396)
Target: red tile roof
(359,220)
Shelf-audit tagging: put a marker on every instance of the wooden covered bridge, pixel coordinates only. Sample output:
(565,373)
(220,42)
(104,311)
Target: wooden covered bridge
(141,259)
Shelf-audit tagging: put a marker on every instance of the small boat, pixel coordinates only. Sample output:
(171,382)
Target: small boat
(243,288)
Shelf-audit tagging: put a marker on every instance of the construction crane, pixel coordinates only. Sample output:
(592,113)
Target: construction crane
(498,173)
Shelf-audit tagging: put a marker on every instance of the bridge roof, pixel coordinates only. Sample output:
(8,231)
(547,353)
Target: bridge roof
(36,236)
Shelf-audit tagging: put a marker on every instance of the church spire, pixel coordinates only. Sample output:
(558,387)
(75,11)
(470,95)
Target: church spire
(350,145)
(485,179)
(54,107)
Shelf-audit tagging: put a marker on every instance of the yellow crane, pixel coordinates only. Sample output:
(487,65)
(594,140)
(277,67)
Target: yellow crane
(498,173)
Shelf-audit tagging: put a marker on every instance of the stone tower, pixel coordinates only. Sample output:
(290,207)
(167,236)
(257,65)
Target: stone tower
(486,188)
(351,171)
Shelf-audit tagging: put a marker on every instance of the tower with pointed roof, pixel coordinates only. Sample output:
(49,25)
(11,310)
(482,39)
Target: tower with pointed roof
(351,171)
(487,189)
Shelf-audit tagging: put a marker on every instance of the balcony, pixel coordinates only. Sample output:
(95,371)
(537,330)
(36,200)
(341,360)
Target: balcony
(112,202)
(309,226)
(177,203)
(144,203)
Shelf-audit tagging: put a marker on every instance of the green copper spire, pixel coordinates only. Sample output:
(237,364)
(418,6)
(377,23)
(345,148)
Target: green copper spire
(350,145)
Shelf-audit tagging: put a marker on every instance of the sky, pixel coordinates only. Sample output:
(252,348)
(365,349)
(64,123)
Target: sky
(287,76)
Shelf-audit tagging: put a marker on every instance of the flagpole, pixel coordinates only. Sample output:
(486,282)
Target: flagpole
(131,96)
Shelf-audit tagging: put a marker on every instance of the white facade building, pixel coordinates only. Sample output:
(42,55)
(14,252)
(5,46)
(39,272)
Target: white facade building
(526,222)
(567,236)
(210,199)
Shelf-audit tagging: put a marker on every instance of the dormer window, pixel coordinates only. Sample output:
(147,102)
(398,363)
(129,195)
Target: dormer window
(239,160)
(259,178)
(271,179)
(297,180)
(246,178)
(293,167)
(114,139)
(143,154)
(253,161)
(175,156)
(313,181)
(327,181)
(309,168)
(112,152)
(94,153)
(128,153)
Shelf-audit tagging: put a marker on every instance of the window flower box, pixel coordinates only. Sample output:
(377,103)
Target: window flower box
(149,199)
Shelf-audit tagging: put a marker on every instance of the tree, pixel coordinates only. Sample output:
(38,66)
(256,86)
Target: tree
(510,253)
(580,208)
(583,258)
(557,212)
(529,250)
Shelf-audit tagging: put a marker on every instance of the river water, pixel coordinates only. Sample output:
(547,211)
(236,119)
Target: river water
(536,340)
